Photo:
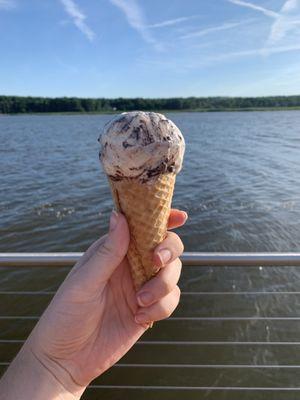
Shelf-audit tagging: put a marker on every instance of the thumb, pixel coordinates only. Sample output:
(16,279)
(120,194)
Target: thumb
(106,255)
(114,248)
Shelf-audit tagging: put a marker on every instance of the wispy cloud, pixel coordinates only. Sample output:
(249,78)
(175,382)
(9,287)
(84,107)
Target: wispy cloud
(288,20)
(290,5)
(263,10)
(182,65)
(136,19)
(78,18)
(7,4)
(206,31)
(172,22)
(254,52)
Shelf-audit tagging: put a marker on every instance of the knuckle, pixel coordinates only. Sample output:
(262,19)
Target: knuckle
(177,292)
(172,236)
(176,299)
(177,242)
(107,250)
(104,250)
(179,263)
(166,287)
(181,245)
(176,268)
(95,246)
(166,312)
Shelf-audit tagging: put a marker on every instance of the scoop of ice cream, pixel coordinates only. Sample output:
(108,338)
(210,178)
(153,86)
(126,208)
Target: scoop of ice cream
(141,145)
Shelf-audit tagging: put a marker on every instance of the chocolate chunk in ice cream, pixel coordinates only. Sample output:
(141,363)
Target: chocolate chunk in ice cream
(141,145)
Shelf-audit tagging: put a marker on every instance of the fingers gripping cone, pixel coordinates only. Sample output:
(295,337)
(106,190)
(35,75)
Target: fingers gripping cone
(147,209)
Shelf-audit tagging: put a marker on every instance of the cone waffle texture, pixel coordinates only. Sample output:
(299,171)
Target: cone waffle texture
(147,209)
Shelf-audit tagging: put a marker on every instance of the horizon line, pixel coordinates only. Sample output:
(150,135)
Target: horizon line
(151,98)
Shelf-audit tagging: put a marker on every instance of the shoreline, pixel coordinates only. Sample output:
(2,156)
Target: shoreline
(200,110)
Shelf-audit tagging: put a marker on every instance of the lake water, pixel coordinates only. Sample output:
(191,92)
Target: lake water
(240,187)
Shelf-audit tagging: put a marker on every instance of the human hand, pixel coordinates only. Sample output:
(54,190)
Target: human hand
(96,316)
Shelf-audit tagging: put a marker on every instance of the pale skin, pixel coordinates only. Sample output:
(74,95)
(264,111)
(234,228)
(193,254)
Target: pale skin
(95,317)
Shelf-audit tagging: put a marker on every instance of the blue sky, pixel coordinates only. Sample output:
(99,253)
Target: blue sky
(149,48)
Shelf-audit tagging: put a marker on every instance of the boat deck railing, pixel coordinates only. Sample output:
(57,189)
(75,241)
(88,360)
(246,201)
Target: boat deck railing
(191,379)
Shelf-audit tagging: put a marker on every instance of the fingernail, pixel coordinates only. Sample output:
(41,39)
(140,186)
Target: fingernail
(113,220)
(185,216)
(141,318)
(164,255)
(144,299)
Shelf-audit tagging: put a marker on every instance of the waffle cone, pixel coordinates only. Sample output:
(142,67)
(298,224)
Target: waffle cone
(147,209)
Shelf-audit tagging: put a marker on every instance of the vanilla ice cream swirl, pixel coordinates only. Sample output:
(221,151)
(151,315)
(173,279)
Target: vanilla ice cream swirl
(141,145)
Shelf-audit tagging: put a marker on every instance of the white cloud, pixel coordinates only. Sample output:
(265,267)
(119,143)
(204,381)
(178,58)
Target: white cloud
(290,5)
(255,52)
(172,22)
(78,18)
(288,20)
(7,4)
(182,65)
(263,10)
(136,19)
(206,31)
(207,60)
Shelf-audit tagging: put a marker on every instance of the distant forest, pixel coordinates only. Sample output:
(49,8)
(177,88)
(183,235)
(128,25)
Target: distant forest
(17,104)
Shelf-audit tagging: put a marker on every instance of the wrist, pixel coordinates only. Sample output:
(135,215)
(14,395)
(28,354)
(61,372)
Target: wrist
(54,375)
(31,378)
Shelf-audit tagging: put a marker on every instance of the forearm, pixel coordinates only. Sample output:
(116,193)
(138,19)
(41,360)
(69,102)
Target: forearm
(28,379)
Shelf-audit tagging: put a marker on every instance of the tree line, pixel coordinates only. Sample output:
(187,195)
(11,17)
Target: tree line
(18,104)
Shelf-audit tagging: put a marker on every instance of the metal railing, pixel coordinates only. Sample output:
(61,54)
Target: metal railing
(189,259)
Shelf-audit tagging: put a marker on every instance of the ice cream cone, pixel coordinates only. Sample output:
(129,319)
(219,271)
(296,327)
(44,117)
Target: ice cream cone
(147,209)
(141,153)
